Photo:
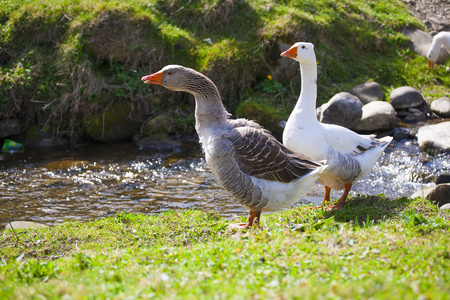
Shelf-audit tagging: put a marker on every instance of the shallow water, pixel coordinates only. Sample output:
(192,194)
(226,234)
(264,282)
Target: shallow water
(91,182)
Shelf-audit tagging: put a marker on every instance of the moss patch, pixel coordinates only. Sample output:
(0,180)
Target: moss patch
(113,125)
(158,125)
(265,114)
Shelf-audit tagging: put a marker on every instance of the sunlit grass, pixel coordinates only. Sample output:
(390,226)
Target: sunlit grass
(373,248)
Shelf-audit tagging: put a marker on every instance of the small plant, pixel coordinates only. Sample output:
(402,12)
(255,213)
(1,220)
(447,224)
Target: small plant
(82,262)
(315,224)
(35,269)
(412,218)
(422,224)
(365,224)
(270,86)
(124,218)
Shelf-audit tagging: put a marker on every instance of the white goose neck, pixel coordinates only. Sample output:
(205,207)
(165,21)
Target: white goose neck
(308,95)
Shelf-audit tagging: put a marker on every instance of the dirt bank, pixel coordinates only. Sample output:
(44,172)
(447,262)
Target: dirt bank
(434,14)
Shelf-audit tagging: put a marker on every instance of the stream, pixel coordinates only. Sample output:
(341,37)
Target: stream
(90,182)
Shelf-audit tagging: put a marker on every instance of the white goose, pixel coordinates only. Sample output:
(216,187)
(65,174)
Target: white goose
(442,38)
(248,161)
(350,156)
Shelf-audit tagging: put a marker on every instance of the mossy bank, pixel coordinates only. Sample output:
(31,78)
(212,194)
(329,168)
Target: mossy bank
(63,64)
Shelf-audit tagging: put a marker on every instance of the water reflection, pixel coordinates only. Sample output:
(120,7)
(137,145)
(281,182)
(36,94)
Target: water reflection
(50,186)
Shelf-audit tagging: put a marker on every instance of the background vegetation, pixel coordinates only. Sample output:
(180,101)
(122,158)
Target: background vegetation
(63,61)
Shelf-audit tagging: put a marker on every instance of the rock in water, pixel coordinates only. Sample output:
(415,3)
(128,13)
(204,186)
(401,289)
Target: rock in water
(441,107)
(435,138)
(440,194)
(443,178)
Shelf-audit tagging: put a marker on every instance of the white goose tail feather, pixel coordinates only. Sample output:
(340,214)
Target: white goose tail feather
(369,158)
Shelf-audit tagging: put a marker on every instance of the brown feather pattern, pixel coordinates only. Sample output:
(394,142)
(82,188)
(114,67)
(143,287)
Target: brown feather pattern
(261,155)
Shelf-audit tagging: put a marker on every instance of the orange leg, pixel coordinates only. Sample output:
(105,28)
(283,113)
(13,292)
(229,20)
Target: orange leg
(341,201)
(253,219)
(327,195)
(326,198)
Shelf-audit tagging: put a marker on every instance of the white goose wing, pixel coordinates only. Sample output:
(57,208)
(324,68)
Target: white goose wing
(347,141)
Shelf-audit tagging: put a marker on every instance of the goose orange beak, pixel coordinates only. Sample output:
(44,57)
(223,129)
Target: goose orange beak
(291,52)
(154,78)
(430,65)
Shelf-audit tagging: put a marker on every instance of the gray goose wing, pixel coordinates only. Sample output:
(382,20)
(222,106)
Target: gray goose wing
(261,155)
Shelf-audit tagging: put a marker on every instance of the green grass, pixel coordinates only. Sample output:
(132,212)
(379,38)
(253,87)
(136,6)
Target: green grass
(373,248)
(62,61)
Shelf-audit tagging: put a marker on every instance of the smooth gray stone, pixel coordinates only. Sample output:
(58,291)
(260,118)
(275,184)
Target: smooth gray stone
(445,206)
(24,225)
(406,97)
(377,116)
(342,109)
(368,92)
(9,127)
(441,107)
(435,138)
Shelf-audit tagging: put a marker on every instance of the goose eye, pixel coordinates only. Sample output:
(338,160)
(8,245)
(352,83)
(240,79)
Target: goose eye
(303,47)
(169,73)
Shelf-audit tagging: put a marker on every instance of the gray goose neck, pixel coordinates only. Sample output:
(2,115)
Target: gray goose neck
(209,108)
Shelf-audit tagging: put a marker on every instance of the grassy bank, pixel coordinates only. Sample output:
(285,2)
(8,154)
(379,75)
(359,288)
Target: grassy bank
(373,248)
(62,61)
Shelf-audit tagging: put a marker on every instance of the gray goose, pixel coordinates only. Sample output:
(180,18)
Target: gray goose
(248,161)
